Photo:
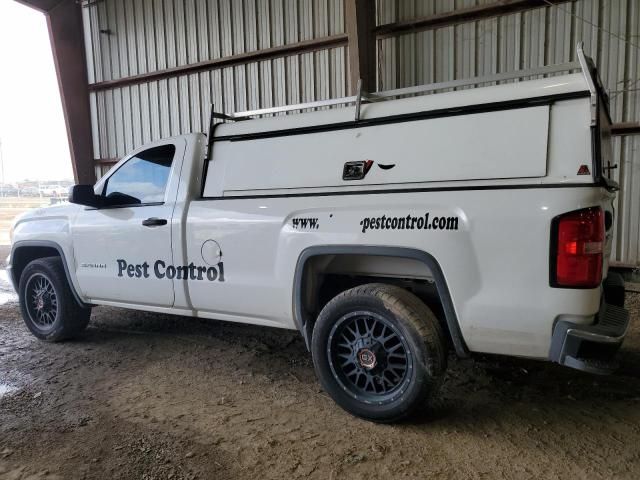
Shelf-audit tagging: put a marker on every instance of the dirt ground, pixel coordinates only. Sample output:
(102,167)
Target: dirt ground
(146,396)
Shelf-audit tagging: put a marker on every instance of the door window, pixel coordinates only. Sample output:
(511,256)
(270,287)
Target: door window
(142,179)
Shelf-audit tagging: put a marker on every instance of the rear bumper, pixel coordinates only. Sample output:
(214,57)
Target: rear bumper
(592,348)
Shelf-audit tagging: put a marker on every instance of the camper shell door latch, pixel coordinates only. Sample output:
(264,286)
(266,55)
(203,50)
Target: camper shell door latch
(356,170)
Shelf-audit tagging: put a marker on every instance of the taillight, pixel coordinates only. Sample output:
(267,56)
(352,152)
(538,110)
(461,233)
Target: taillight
(577,245)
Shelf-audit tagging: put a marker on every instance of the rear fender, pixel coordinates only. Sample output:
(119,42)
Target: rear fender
(303,319)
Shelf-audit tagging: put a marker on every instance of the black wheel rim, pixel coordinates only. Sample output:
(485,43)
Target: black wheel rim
(41,302)
(369,357)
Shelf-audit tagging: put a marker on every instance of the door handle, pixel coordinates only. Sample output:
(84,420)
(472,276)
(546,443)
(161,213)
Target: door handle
(154,222)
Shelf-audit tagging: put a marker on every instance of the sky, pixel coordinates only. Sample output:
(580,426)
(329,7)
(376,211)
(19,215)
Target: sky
(32,128)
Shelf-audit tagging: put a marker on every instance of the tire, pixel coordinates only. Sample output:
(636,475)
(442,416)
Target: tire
(379,352)
(47,304)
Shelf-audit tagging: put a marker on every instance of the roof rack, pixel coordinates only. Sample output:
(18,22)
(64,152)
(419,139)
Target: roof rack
(583,63)
(366,97)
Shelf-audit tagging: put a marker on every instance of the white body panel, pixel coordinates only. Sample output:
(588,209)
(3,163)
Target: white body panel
(103,237)
(432,153)
(499,175)
(491,277)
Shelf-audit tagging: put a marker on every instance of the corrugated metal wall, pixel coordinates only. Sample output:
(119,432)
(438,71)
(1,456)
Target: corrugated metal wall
(610,30)
(130,37)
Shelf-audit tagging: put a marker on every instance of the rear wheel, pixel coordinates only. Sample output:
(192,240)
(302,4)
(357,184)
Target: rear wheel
(379,352)
(48,306)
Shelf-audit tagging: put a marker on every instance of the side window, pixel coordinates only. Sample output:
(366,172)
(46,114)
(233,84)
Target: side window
(142,179)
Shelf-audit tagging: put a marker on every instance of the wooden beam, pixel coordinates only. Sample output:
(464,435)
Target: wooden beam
(360,22)
(67,43)
(625,128)
(239,59)
(462,15)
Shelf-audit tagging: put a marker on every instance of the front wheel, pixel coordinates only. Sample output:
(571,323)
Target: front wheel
(48,306)
(379,352)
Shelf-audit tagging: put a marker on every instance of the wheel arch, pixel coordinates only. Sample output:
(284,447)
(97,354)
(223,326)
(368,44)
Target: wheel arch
(303,319)
(25,251)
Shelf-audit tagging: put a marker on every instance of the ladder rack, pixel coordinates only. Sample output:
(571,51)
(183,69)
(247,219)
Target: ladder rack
(583,64)
(366,97)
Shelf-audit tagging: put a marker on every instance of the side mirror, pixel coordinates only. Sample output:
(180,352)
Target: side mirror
(84,195)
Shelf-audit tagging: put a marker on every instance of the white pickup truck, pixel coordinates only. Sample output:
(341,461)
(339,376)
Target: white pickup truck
(386,232)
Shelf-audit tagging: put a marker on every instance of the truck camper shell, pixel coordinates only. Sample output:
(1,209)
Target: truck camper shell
(499,132)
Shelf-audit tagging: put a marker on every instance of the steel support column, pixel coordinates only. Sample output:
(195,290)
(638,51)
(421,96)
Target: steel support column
(67,43)
(360,22)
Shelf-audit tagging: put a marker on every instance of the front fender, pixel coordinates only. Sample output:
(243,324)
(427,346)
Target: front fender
(24,245)
(48,228)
